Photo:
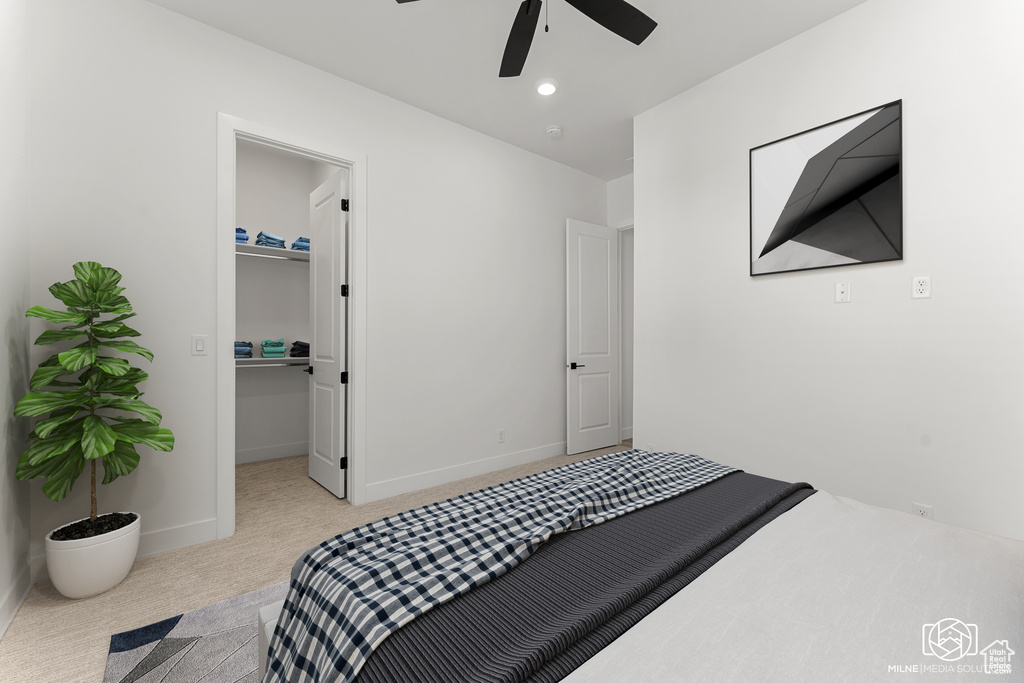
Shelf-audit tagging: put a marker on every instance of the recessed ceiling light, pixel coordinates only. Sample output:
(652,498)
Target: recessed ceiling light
(547,86)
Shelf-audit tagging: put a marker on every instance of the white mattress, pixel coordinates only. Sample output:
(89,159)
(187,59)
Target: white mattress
(833,590)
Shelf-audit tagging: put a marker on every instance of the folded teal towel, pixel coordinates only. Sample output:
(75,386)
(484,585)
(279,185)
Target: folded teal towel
(271,343)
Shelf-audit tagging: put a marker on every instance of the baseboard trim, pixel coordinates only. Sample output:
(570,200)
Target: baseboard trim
(286,450)
(150,543)
(162,540)
(15,596)
(445,475)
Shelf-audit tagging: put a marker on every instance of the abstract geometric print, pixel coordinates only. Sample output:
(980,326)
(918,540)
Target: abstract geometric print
(830,196)
(214,643)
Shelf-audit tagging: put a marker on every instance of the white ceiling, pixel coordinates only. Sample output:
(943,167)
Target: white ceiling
(443,56)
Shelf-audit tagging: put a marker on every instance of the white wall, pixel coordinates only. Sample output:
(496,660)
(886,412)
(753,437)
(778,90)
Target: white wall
(885,399)
(14,282)
(466,281)
(620,202)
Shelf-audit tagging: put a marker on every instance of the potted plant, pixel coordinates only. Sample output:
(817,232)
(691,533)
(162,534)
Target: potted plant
(89,411)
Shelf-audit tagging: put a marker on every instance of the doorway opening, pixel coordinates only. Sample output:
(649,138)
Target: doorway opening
(246,150)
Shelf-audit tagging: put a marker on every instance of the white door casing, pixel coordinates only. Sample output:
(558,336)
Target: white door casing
(592,336)
(327,269)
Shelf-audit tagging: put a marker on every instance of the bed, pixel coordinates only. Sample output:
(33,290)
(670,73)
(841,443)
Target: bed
(643,566)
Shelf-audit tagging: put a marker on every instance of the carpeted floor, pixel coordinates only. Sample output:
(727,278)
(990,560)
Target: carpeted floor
(279,513)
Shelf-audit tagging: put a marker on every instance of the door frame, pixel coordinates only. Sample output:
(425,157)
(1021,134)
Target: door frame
(230,130)
(624,432)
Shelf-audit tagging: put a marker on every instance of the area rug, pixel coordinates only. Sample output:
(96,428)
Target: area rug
(215,644)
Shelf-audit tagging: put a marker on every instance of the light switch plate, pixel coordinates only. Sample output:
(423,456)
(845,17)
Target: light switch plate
(199,342)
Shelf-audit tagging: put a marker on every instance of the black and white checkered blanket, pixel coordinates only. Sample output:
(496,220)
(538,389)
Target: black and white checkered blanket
(350,592)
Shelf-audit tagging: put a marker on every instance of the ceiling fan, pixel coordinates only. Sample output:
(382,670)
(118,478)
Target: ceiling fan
(618,16)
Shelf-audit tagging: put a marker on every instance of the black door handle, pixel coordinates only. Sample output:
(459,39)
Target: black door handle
(573,366)
(309,370)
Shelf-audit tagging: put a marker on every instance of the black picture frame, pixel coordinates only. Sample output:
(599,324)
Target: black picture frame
(829,196)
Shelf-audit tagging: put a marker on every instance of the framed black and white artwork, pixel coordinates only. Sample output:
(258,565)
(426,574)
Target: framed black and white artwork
(830,196)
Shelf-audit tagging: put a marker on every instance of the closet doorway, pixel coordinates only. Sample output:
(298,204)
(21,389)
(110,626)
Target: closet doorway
(280,404)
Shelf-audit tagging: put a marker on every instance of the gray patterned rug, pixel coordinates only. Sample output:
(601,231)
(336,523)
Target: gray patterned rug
(216,643)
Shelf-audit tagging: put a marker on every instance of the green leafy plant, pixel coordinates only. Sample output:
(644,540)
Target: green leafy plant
(85,399)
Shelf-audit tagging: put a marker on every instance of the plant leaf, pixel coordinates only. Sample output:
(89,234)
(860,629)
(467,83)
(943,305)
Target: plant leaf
(98,438)
(38,402)
(44,449)
(120,461)
(108,295)
(60,472)
(51,336)
(96,276)
(60,480)
(129,346)
(146,433)
(77,358)
(117,367)
(144,409)
(112,331)
(25,470)
(43,376)
(117,304)
(121,386)
(74,294)
(43,428)
(54,316)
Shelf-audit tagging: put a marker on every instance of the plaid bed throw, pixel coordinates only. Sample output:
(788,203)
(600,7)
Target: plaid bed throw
(350,592)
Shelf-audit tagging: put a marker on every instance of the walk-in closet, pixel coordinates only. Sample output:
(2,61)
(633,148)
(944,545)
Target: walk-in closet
(289,267)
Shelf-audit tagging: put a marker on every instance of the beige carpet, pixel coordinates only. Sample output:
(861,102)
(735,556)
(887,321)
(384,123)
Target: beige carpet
(279,513)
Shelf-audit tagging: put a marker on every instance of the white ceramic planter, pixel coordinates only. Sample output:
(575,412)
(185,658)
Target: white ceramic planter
(88,566)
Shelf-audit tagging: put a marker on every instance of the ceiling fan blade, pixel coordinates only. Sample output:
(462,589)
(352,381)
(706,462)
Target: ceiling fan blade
(619,17)
(520,38)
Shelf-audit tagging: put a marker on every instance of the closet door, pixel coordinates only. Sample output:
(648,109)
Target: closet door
(327,264)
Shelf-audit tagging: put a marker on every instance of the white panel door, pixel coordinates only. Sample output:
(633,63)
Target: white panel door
(327,268)
(592,363)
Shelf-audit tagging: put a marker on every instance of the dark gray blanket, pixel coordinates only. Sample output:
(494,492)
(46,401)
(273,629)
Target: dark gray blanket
(580,590)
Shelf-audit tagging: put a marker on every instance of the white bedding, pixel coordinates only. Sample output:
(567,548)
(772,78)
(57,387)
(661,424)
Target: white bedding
(833,590)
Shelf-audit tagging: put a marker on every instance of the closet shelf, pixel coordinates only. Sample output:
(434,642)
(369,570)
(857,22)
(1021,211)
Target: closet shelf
(269,362)
(271,252)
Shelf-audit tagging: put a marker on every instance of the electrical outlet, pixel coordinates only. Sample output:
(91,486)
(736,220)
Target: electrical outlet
(842,292)
(501,436)
(922,510)
(922,287)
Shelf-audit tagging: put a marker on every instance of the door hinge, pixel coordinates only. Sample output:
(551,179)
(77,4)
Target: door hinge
(344,290)
(344,205)
(344,378)
(344,462)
